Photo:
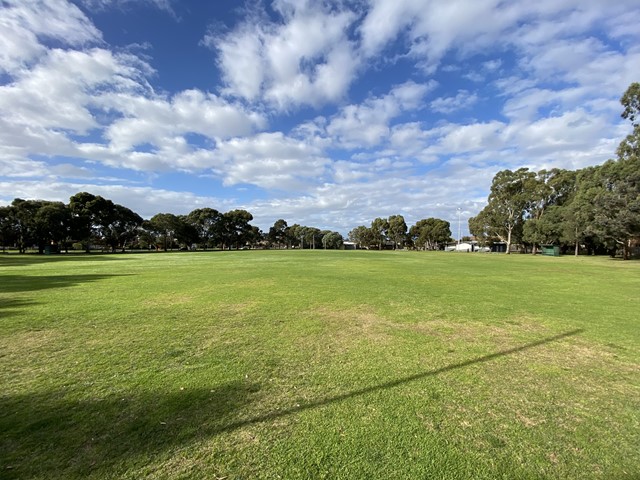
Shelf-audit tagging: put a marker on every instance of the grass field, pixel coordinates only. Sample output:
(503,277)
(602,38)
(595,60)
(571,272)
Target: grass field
(319,364)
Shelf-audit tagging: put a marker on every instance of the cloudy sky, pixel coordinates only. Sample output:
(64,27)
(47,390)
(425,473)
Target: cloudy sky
(324,113)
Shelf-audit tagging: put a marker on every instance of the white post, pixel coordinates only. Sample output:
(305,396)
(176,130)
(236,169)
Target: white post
(459,225)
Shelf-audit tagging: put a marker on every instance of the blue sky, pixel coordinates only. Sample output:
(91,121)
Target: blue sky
(327,114)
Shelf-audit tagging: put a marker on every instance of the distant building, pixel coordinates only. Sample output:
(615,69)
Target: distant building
(349,245)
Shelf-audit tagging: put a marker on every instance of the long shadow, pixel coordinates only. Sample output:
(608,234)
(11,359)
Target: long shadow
(9,307)
(52,435)
(24,260)
(32,283)
(396,383)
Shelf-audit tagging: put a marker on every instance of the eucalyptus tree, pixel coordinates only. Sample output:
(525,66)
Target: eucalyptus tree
(313,236)
(509,200)
(362,236)
(550,189)
(614,191)
(236,229)
(332,240)
(7,226)
(89,213)
(379,228)
(28,230)
(53,224)
(163,226)
(278,233)
(430,233)
(208,225)
(397,230)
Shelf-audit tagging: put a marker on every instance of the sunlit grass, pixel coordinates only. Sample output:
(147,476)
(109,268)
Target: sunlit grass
(289,364)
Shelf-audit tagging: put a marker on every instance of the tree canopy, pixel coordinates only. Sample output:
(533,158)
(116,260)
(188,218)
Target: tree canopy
(597,207)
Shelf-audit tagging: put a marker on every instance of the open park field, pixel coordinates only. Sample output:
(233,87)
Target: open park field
(319,364)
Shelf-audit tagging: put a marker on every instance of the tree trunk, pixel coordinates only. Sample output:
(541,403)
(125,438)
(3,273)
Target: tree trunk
(577,247)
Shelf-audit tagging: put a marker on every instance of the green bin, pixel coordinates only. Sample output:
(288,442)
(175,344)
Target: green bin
(550,250)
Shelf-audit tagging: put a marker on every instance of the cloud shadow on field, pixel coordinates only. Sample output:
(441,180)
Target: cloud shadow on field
(51,432)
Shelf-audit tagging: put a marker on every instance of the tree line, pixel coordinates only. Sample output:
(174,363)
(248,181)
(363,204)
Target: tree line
(596,208)
(92,222)
(427,234)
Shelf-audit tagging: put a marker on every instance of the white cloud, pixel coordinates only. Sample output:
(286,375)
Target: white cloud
(165,5)
(57,92)
(305,60)
(367,124)
(471,138)
(270,160)
(463,100)
(24,23)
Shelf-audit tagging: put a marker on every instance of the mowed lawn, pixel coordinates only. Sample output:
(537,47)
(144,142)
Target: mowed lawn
(319,364)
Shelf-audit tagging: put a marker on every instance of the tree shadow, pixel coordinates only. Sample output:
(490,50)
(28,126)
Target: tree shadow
(49,432)
(24,260)
(11,307)
(32,283)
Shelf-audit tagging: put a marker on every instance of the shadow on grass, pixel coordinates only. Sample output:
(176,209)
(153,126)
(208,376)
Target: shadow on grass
(32,283)
(50,435)
(9,307)
(44,433)
(24,260)
(401,381)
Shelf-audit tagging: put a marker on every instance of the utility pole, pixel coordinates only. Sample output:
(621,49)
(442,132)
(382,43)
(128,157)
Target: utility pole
(459,225)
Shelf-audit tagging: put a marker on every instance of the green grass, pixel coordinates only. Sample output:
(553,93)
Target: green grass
(314,364)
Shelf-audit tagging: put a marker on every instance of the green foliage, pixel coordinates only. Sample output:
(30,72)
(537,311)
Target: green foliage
(397,230)
(362,236)
(379,229)
(279,233)
(509,200)
(598,207)
(208,225)
(332,240)
(430,233)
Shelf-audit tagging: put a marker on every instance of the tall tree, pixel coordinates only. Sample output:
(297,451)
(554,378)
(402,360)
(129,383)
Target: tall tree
(236,228)
(397,230)
(7,227)
(550,188)
(379,228)
(508,202)
(313,237)
(28,231)
(120,227)
(163,226)
(616,200)
(208,224)
(53,220)
(278,233)
(89,214)
(332,240)
(430,233)
(362,236)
